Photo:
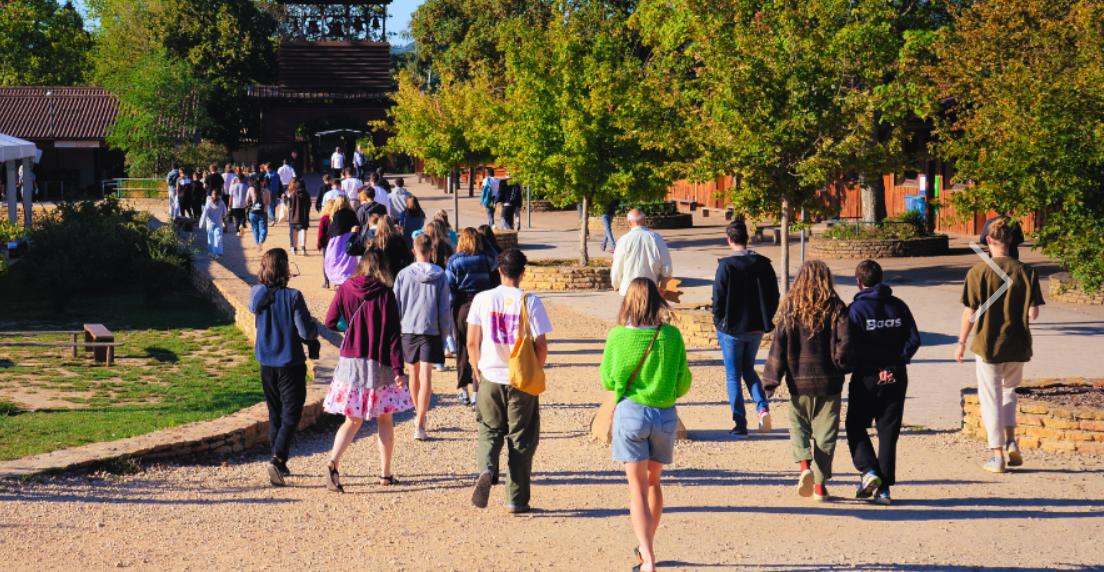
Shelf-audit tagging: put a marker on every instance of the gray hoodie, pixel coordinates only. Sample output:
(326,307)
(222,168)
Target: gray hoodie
(423,294)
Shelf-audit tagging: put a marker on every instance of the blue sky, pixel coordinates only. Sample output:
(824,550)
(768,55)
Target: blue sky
(398,21)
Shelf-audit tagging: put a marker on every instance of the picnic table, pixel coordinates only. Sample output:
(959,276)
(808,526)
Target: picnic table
(98,340)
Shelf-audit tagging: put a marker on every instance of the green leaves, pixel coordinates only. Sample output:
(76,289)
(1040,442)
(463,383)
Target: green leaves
(42,42)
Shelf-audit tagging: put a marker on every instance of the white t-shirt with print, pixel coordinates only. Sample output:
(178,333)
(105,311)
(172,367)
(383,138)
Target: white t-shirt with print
(498,312)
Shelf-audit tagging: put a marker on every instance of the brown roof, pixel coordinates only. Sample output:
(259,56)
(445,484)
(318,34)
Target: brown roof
(70,113)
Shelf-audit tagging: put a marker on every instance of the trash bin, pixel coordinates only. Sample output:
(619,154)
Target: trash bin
(916,203)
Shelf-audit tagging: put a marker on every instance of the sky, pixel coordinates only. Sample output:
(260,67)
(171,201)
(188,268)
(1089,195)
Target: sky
(398,16)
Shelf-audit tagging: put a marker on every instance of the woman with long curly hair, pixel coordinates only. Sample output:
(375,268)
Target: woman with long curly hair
(810,350)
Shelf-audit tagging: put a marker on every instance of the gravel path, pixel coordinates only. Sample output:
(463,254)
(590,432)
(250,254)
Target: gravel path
(730,504)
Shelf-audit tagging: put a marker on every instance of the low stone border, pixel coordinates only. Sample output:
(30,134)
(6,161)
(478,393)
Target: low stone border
(506,239)
(1044,425)
(621,224)
(233,433)
(545,205)
(696,324)
(1063,288)
(821,247)
(560,275)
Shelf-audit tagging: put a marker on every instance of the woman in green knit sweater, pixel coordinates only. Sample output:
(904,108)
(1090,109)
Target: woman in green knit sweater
(644,363)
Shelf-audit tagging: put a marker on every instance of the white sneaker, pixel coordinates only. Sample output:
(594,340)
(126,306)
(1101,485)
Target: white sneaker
(805,484)
(994,465)
(474,398)
(421,435)
(764,421)
(1015,457)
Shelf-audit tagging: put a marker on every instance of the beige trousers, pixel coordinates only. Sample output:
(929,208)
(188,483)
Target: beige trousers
(997,384)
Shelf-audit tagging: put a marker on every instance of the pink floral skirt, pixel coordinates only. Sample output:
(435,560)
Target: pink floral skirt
(358,390)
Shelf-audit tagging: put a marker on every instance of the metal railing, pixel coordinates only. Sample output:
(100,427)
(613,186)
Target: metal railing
(133,188)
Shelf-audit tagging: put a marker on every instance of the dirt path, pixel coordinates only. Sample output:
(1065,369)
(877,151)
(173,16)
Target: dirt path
(730,504)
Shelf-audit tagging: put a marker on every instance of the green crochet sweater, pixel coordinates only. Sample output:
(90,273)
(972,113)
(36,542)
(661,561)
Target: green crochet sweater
(665,376)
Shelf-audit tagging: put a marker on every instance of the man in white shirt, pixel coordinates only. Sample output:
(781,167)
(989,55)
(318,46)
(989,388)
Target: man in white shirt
(382,196)
(337,162)
(640,253)
(505,412)
(351,185)
(238,192)
(358,163)
(286,173)
(228,178)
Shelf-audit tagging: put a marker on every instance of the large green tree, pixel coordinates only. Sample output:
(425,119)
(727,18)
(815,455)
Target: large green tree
(790,96)
(42,42)
(565,127)
(1025,125)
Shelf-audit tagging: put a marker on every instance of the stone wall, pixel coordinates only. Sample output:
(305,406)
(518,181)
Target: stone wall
(821,247)
(621,224)
(234,433)
(506,239)
(568,276)
(1044,425)
(1064,289)
(696,324)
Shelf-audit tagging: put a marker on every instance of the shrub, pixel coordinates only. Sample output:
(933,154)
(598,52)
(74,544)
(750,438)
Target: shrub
(649,208)
(887,230)
(10,232)
(97,246)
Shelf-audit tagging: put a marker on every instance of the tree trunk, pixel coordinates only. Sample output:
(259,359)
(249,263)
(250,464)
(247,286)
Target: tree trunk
(454,186)
(471,182)
(873,198)
(584,233)
(784,275)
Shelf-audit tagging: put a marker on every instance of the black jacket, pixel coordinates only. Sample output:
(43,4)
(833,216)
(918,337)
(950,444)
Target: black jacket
(883,331)
(745,294)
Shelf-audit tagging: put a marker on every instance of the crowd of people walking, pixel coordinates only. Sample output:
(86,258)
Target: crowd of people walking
(410,289)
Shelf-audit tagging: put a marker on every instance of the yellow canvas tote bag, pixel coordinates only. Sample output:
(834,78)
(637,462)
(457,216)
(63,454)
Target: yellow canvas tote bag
(526,373)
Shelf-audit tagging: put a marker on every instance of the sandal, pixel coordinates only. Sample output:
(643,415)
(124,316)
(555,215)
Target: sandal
(333,482)
(388,481)
(636,553)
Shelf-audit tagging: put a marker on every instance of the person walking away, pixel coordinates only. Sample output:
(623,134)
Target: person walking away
(382,180)
(213,181)
(286,173)
(284,326)
(441,219)
(358,163)
(884,337)
(275,191)
(339,264)
(390,241)
(469,273)
(489,196)
(337,163)
(211,221)
(239,191)
(257,200)
(368,206)
(322,190)
(1017,235)
(174,199)
(299,207)
(383,195)
(350,185)
(490,243)
(745,298)
(644,364)
(198,195)
(1002,339)
(228,178)
(610,211)
(640,254)
(368,381)
(503,411)
(810,350)
(398,198)
(423,295)
(510,196)
(184,194)
(412,219)
(323,238)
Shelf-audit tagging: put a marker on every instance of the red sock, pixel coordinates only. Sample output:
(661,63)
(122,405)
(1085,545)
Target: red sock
(819,490)
(804,465)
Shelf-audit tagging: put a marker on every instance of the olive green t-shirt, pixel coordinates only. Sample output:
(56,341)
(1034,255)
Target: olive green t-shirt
(1002,333)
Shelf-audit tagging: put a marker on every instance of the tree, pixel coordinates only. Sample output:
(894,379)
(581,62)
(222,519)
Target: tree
(42,42)
(790,96)
(565,128)
(1025,82)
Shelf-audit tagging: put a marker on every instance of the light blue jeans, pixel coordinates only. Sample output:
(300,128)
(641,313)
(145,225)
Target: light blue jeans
(608,240)
(214,240)
(258,222)
(739,361)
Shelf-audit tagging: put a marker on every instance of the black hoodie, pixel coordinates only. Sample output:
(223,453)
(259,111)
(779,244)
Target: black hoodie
(745,294)
(883,332)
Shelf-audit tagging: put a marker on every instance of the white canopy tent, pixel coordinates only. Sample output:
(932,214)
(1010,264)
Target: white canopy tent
(12,152)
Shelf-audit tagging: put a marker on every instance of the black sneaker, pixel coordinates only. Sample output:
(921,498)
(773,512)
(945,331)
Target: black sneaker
(482,492)
(274,475)
(738,433)
(282,467)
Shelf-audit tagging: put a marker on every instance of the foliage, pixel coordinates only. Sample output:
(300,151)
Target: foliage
(42,42)
(124,254)
(182,361)
(885,230)
(1025,127)
(10,232)
(565,114)
(649,208)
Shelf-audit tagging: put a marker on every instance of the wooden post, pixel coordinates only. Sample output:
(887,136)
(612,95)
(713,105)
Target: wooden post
(73,337)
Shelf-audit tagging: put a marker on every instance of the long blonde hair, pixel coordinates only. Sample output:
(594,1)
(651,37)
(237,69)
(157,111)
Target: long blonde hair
(812,302)
(643,306)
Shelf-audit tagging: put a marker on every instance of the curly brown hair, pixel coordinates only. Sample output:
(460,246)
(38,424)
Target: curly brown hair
(812,302)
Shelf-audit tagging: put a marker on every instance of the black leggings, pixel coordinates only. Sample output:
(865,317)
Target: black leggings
(460,306)
(285,391)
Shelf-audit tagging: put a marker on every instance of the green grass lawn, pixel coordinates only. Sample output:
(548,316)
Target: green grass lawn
(181,362)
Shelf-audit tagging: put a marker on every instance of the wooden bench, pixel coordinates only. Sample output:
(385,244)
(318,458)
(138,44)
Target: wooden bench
(99,334)
(774,229)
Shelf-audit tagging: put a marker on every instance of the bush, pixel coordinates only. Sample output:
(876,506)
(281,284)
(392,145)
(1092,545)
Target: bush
(97,246)
(10,232)
(649,208)
(887,230)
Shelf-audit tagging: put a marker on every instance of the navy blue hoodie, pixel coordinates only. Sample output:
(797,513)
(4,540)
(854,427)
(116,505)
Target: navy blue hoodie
(883,332)
(283,322)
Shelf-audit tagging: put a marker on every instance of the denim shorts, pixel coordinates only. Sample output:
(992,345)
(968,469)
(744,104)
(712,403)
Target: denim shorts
(642,433)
